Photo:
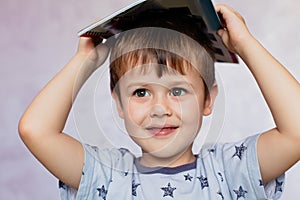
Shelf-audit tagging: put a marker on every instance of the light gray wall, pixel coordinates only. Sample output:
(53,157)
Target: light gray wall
(38,38)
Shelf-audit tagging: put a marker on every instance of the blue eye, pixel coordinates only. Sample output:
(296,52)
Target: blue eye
(141,93)
(177,92)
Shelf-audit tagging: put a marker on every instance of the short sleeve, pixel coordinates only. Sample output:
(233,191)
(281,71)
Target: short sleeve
(68,193)
(243,173)
(97,173)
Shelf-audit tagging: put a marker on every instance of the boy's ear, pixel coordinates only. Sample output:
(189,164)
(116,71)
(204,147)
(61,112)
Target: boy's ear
(118,104)
(210,100)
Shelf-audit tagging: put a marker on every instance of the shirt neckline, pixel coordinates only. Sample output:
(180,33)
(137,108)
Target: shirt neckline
(164,170)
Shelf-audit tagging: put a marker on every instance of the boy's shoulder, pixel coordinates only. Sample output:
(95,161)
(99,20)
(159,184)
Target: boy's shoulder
(235,149)
(118,159)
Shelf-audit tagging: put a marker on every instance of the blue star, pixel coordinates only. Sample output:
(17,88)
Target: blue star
(211,150)
(240,193)
(125,173)
(123,151)
(168,190)
(220,193)
(102,192)
(94,148)
(278,187)
(221,177)
(134,187)
(203,181)
(239,151)
(61,185)
(188,177)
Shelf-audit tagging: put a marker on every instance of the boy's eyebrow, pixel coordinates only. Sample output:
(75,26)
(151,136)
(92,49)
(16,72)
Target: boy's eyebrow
(168,84)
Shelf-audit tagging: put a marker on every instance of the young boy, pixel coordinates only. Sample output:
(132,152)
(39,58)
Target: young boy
(163,84)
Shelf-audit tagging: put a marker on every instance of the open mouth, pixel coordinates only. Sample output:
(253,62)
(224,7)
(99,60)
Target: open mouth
(162,131)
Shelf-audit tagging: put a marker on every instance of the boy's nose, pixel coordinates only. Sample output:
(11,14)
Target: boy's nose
(161,108)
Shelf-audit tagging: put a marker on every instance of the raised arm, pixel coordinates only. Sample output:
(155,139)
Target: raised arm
(279,148)
(42,123)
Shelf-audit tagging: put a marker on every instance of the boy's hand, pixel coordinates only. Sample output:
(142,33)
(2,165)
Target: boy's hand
(93,55)
(235,31)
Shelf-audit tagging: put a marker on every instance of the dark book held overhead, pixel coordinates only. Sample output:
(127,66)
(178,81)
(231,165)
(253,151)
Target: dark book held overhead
(200,12)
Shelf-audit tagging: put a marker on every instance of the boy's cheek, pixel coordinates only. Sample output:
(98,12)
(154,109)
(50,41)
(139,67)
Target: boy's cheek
(119,108)
(136,114)
(193,107)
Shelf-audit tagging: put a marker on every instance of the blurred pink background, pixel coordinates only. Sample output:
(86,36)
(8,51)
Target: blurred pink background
(39,37)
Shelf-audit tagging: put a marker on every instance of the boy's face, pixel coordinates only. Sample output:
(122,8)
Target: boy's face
(162,114)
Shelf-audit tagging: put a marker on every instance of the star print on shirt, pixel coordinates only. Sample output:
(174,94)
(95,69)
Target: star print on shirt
(94,148)
(221,195)
(102,192)
(221,176)
(168,191)
(134,187)
(203,181)
(239,151)
(278,187)
(62,185)
(240,193)
(123,151)
(261,182)
(211,150)
(188,177)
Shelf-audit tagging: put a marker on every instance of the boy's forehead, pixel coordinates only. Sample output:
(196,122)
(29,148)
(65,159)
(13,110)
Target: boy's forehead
(160,70)
(146,69)
(148,73)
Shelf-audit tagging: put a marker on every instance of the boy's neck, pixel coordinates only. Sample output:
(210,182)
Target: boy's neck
(150,160)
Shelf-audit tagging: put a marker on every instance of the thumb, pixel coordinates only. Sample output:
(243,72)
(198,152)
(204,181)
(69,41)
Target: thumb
(102,52)
(96,57)
(224,35)
(98,54)
(220,32)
